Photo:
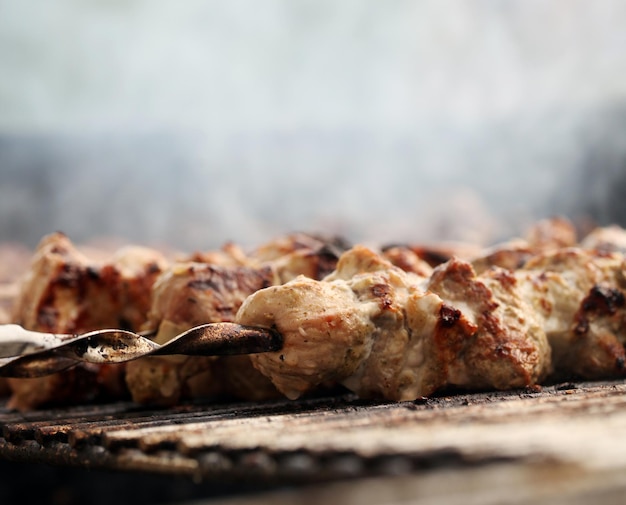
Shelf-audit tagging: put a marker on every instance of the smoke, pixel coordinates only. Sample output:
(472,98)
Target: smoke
(194,123)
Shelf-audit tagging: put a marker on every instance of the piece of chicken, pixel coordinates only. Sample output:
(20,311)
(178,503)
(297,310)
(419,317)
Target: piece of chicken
(191,294)
(300,254)
(373,327)
(406,259)
(289,256)
(188,295)
(229,255)
(64,292)
(580,297)
(606,239)
(551,234)
(435,254)
(544,236)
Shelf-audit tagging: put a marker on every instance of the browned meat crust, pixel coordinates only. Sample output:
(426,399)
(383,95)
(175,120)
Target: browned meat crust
(63,292)
(384,325)
(187,295)
(372,327)
(212,290)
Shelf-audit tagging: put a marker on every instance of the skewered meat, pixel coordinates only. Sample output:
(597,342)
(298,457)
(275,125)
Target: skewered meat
(192,293)
(579,295)
(289,256)
(406,259)
(63,292)
(435,254)
(545,236)
(384,325)
(502,328)
(550,234)
(606,239)
(230,255)
(187,295)
(372,327)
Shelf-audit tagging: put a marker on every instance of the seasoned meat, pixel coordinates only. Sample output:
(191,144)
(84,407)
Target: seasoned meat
(506,346)
(550,234)
(14,259)
(402,324)
(188,295)
(404,319)
(165,380)
(230,255)
(580,297)
(607,239)
(288,244)
(371,326)
(544,236)
(63,292)
(509,255)
(300,254)
(237,378)
(406,259)
(326,332)
(437,254)
(212,290)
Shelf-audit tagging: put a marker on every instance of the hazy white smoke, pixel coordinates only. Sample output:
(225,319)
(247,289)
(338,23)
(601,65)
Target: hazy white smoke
(198,122)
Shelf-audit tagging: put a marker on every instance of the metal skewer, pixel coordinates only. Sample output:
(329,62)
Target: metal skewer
(25,353)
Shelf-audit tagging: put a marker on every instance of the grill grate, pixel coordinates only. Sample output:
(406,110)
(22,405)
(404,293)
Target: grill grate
(328,437)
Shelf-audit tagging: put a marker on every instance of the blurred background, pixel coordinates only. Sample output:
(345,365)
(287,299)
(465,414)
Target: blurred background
(199,122)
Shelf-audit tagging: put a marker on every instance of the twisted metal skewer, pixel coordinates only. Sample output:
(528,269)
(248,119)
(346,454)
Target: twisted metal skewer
(27,354)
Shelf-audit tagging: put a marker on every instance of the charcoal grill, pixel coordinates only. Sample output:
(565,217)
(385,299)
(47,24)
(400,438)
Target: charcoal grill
(316,440)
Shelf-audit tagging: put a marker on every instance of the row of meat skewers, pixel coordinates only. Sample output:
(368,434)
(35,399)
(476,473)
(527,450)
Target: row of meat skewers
(400,322)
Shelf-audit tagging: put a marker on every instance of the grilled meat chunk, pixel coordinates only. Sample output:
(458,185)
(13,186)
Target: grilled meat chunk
(406,259)
(506,346)
(580,297)
(509,255)
(190,294)
(606,239)
(550,234)
(63,292)
(229,255)
(212,290)
(325,330)
(371,326)
(187,295)
(545,236)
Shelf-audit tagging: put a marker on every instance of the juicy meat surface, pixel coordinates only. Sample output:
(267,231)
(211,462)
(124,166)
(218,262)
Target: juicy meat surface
(550,234)
(326,332)
(406,259)
(580,297)
(607,239)
(374,328)
(399,325)
(212,289)
(64,292)
(506,346)
(544,236)
(188,295)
